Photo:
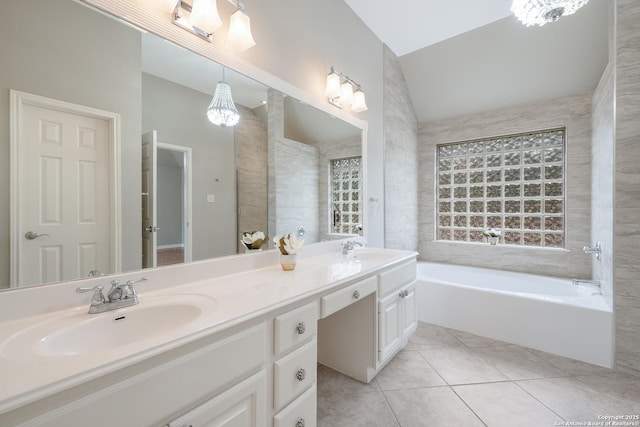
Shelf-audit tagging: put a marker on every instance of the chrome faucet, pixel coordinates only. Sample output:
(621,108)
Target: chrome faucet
(597,249)
(349,246)
(120,295)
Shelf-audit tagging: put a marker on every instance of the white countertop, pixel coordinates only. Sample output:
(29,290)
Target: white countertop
(238,297)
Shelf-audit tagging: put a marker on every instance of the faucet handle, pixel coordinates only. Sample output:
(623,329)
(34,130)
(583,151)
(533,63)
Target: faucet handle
(98,296)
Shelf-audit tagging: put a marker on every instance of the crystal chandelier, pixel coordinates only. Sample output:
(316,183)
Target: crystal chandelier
(539,12)
(222,111)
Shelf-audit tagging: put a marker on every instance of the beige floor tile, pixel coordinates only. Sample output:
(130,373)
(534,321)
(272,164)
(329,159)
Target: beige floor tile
(331,382)
(408,370)
(361,409)
(430,407)
(430,337)
(517,363)
(506,404)
(616,384)
(570,366)
(471,340)
(574,400)
(461,366)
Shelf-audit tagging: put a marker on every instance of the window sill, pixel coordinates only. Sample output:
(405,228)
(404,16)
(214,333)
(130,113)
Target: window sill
(512,247)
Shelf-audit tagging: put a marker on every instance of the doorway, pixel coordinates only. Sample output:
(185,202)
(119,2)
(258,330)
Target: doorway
(64,187)
(174,202)
(166,202)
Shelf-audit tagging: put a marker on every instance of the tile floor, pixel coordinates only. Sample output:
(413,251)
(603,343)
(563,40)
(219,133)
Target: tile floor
(445,377)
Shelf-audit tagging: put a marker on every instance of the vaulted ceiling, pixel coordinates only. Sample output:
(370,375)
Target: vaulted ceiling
(465,56)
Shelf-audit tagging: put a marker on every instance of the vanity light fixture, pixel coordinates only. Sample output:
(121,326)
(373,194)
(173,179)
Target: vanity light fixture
(222,111)
(341,90)
(201,18)
(539,12)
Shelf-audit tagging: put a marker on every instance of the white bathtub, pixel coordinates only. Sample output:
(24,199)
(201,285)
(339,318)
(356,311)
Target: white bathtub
(540,312)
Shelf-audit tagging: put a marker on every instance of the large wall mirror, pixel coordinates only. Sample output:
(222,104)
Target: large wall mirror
(94,112)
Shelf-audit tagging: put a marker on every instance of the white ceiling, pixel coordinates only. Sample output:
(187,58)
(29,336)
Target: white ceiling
(410,25)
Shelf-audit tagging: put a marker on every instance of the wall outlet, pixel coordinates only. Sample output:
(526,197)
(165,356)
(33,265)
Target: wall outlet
(211,198)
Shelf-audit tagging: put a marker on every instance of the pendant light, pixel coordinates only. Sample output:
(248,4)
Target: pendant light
(222,111)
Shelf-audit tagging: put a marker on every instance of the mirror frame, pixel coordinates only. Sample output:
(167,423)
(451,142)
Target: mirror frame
(153,21)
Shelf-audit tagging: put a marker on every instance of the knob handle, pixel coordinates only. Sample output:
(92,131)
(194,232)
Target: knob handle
(301,374)
(404,293)
(300,422)
(301,328)
(356,294)
(32,235)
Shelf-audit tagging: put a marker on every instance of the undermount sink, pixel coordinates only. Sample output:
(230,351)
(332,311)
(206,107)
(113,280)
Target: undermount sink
(78,333)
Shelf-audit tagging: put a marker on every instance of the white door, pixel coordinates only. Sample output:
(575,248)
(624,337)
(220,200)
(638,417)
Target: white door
(63,194)
(149,205)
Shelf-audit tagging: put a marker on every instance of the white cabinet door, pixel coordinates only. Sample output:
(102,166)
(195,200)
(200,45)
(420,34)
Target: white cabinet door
(389,326)
(409,310)
(243,405)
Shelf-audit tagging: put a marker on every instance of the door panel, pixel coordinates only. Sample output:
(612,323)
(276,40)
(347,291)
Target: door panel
(63,194)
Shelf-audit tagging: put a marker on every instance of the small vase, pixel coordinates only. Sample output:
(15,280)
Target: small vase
(288,262)
(493,240)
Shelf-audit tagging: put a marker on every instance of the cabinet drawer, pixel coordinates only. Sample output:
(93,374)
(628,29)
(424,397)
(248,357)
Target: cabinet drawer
(301,411)
(344,297)
(294,327)
(396,277)
(294,373)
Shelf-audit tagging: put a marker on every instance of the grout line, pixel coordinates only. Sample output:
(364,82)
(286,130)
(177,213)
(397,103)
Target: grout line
(536,399)
(467,405)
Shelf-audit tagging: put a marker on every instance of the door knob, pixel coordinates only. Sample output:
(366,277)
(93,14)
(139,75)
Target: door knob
(32,235)
(152,229)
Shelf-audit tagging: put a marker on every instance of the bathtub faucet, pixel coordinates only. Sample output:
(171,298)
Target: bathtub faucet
(597,249)
(594,283)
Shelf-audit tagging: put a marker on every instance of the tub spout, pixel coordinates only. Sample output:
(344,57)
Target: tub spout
(594,283)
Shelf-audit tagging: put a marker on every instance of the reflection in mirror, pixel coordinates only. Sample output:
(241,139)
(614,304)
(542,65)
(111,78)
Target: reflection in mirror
(211,182)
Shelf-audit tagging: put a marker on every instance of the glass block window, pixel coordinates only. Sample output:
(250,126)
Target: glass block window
(511,183)
(346,195)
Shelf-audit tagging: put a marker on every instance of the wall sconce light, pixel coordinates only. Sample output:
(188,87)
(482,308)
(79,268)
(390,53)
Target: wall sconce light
(201,18)
(341,90)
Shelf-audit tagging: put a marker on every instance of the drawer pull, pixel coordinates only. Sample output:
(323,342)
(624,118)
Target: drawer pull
(356,294)
(300,422)
(404,294)
(301,328)
(301,374)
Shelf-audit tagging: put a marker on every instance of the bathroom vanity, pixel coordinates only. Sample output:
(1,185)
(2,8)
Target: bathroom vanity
(232,341)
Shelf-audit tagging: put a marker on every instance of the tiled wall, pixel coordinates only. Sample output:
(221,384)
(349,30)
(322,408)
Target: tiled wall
(400,159)
(572,112)
(602,158)
(627,185)
(251,165)
(294,170)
